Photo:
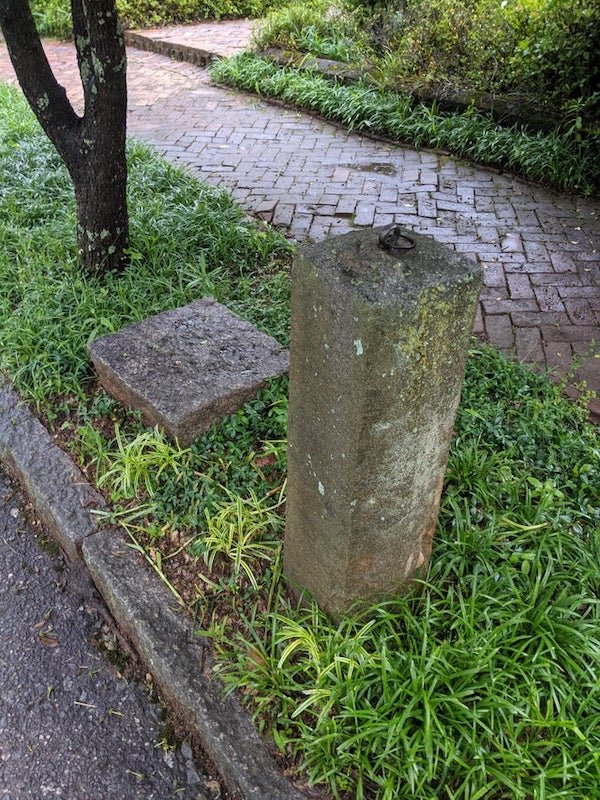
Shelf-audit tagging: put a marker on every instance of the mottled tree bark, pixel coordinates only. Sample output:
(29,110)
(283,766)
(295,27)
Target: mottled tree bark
(92,146)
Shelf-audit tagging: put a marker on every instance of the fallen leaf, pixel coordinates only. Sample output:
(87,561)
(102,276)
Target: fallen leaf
(265,461)
(48,639)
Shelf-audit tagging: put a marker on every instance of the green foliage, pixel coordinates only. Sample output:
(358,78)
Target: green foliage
(440,40)
(484,683)
(187,240)
(144,13)
(557,54)
(567,160)
(543,49)
(179,488)
(245,531)
(318,28)
(139,463)
(53,17)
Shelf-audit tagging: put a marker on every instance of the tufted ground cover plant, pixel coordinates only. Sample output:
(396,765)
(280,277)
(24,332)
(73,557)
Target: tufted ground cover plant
(483,684)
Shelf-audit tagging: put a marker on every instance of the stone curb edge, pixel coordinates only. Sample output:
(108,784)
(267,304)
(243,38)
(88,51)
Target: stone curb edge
(178,52)
(61,495)
(143,608)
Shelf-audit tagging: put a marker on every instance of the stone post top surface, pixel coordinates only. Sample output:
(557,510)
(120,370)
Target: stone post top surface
(381,278)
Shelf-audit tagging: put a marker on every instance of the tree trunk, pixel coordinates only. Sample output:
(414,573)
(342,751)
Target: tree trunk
(102,220)
(92,146)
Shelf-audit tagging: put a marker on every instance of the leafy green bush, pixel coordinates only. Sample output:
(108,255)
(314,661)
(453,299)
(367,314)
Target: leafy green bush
(558,54)
(53,17)
(145,13)
(441,40)
(317,27)
(546,49)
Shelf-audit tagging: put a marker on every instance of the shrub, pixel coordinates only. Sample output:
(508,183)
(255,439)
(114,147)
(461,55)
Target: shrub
(53,17)
(558,54)
(140,13)
(316,27)
(542,48)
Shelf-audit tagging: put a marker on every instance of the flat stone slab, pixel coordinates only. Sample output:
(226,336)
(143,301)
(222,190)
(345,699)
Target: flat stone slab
(188,367)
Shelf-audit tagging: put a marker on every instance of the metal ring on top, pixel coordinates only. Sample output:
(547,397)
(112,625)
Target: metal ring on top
(393,240)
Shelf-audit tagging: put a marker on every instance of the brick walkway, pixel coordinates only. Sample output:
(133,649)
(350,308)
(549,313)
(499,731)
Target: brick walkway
(220,38)
(539,249)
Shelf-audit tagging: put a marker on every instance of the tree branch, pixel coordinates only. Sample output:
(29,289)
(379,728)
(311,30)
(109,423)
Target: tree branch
(45,95)
(102,60)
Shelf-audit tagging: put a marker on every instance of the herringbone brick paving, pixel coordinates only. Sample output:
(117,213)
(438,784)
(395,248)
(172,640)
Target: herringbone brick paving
(539,249)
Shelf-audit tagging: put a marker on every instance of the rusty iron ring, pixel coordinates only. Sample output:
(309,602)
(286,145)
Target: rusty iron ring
(392,240)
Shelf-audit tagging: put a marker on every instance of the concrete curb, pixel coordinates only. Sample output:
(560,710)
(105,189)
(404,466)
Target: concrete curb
(144,610)
(148,616)
(62,497)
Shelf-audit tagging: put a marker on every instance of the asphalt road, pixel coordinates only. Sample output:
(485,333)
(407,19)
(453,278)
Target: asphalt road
(71,726)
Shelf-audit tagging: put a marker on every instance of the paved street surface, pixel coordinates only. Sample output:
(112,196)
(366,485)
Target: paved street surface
(70,726)
(540,249)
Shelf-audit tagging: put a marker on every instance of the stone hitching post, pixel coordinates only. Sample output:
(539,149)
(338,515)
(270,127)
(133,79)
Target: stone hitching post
(380,331)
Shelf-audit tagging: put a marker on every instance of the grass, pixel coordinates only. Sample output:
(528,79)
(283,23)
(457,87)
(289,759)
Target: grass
(560,159)
(482,685)
(187,241)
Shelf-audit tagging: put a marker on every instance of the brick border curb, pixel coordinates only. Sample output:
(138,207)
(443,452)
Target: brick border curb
(143,609)
(178,52)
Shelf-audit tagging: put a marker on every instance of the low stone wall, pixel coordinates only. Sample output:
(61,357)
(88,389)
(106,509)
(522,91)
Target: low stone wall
(178,52)
(506,109)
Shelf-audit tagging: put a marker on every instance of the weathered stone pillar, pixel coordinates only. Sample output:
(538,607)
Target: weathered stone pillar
(379,344)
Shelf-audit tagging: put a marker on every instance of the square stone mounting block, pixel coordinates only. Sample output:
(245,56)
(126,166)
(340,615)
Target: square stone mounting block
(188,367)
